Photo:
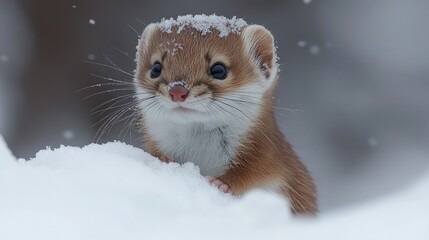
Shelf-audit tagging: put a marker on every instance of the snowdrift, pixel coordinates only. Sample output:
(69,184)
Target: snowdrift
(116,191)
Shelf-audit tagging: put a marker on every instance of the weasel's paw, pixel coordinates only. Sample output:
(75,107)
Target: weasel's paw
(166,159)
(219,184)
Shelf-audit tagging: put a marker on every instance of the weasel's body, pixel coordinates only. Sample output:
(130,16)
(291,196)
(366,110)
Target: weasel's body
(185,143)
(205,86)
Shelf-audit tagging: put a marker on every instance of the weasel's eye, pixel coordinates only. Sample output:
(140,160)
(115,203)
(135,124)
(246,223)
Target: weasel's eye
(156,70)
(218,71)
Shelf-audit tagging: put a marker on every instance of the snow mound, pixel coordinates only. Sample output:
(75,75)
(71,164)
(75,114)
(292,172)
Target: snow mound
(203,24)
(6,157)
(116,191)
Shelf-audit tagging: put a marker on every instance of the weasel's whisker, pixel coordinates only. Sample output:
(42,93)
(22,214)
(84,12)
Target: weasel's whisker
(260,104)
(138,19)
(101,85)
(113,106)
(125,81)
(242,101)
(120,98)
(116,116)
(258,129)
(114,64)
(124,128)
(159,109)
(239,110)
(211,111)
(108,91)
(294,110)
(129,106)
(105,124)
(222,109)
(108,116)
(138,34)
(133,123)
(124,53)
(150,106)
(114,119)
(111,67)
(123,98)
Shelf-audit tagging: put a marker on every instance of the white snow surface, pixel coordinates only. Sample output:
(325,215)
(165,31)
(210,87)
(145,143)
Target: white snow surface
(203,24)
(116,191)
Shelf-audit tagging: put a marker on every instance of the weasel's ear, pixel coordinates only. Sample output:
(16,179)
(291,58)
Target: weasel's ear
(259,44)
(144,40)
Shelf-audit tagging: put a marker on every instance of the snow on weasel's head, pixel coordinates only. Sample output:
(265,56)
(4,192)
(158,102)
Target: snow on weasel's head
(201,68)
(203,24)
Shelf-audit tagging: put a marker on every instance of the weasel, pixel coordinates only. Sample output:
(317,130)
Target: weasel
(205,86)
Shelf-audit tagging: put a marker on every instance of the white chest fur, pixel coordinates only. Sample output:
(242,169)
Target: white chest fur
(210,148)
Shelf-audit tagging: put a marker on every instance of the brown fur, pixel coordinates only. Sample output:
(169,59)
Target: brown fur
(192,65)
(265,158)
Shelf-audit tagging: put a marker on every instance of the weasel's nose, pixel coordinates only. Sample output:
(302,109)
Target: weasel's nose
(178,93)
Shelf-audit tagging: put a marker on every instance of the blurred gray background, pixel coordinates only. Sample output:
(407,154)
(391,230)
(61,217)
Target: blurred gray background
(357,71)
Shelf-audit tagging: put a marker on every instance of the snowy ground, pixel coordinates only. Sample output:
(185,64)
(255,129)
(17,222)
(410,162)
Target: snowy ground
(115,191)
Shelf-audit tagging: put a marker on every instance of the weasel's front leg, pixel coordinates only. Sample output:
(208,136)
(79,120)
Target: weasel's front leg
(237,180)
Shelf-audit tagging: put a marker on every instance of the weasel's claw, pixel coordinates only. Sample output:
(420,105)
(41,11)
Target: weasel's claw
(219,184)
(166,159)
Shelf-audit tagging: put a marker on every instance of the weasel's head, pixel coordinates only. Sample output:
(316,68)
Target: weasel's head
(204,68)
